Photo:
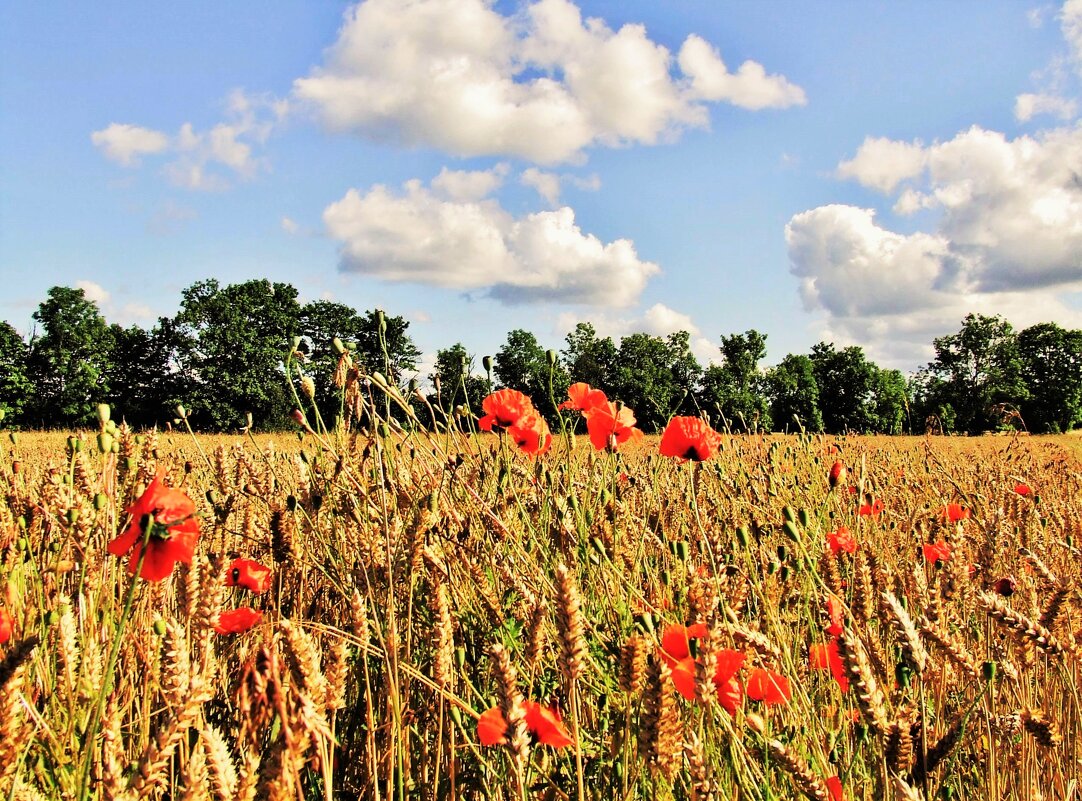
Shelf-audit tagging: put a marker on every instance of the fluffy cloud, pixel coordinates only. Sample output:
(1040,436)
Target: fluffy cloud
(1027,106)
(1071,22)
(749,87)
(542,85)
(547,184)
(422,236)
(1008,227)
(466,185)
(93,292)
(126,143)
(203,160)
(882,163)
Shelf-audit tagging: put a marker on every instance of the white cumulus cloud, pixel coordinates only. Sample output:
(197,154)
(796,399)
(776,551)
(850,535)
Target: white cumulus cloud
(1008,227)
(201,160)
(126,143)
(421,236)
(882,163)
(1029,105)
(543,84)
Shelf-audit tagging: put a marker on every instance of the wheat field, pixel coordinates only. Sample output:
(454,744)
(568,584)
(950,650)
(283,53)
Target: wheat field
(447,617)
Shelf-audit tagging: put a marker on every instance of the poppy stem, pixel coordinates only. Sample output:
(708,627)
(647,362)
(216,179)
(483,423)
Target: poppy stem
(107,678)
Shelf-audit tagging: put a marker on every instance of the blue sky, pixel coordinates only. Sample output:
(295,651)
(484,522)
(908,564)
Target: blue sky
(865,173)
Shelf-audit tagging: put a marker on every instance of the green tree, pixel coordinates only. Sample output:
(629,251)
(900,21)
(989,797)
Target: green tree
(1051,368)
(521,363)
(977,373)
(231,343)
(794,394)
(888,404)
(321,322)
(457,381)
(735,387)
(15,384)
(846,380)
(589,358)
(657,377)
(141,383)
(69,361)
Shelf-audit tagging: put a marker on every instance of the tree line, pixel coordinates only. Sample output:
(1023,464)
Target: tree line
(223,356)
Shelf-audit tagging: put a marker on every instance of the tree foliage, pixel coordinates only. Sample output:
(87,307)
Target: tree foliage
(735,388)
(224,352)
(68,362)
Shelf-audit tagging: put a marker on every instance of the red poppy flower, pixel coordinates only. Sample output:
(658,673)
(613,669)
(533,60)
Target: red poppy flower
(609,426)
(836,613)
(531,433)
(768,686)
(826,656)
(937,552)
(841,540)
(834,787)
(871,509)
(582,397)
(730,690)
(542,721)
(837,474)
(237,620)
(1022,489)
(689,438)
(6,625)
(676,641)
(169,517)
(503,409)
(953,512)
(546,725)
(248,574)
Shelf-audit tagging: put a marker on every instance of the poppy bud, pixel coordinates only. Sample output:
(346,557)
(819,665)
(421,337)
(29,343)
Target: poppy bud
(103,413)
(16,467)
(837,474)
(159,627)
(551,356)
(486,362)
(308,387)
(382,319)
(181,411)
(105,442)
(298,417)
(988,671)
(339,348)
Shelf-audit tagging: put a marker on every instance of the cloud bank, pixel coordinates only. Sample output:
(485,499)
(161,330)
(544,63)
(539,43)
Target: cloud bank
(450,235)
(542,85)
(1007,238)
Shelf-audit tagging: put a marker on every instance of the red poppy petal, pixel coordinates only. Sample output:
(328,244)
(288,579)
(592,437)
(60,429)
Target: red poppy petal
(546,725)
(731,695)
(683,677)
(767,686)
(729,662)
(834,787)
(237,620)
(491,727)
